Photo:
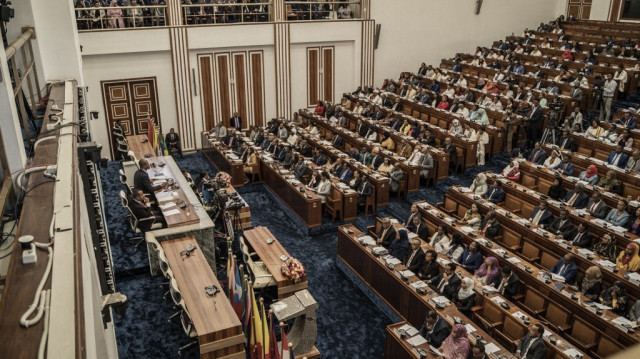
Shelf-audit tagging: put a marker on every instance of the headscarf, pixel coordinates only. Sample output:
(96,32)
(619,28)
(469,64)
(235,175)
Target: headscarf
(466,293)
(456,345)
(607,183)
(484,272)
(482,116)
(607,250)
(629,262)
(591,276)
(592,170)
(481,179)
(618,305)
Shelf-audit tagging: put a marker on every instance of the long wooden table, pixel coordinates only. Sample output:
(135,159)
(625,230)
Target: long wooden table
(530,276)
(218,327)
(270,255)
(143,150)
(217,154)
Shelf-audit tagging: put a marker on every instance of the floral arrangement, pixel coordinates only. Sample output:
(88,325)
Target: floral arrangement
(225,176)
(294,270)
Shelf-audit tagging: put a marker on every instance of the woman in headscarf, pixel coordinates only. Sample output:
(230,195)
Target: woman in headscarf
(512,171)
(466,297)
(590,175)
(456,128)
(387,141)
(488,270)
(609,182)
(628,259)
(606,248)
(440,240)
(473,217)
(400,245)
(615,297)
(591,285)
(557,191)
(479,185)
(553,160)
(456,345)
(481,117)
(115,15)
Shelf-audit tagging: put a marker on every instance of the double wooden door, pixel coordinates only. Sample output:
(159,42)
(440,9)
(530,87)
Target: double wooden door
(580,9)
(130,103)
(320,80)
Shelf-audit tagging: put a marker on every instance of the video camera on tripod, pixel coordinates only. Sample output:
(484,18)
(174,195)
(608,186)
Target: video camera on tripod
(220,197)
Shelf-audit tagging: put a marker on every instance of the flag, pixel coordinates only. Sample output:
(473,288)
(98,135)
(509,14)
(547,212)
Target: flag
(236,288)
(273,345)
(266,344)
(246,312)
(257,327)
(284,347)
(163,147)
(230,274)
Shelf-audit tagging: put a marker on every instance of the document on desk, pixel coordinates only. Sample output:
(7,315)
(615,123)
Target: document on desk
(572,353)
(435,351)
(368,240)
(167,205)
(172,212)
(416,340)
(418,284)
(470,328)
(491,348)
(409,329)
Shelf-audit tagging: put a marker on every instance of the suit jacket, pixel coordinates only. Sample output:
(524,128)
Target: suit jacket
(172,138)
(301,170)
(346,175)
(622,162)
(376,161)
(495,197)
(231,141)
(492,230)
(537,349)
(320,160)
(429,140)
(569,143)
(569,271)
(141,181)
(565,168)
(236,122)
(546,218)
(470,261)
(584,241)
(428,270)
(580,202)
(633,165)
(388,237)
(512,286)
(416,262)
(452,151)
(337,142)
(535,116)
(600,210)
(450,289)
(542,156)
(440,332)
(631,124)
(560,227)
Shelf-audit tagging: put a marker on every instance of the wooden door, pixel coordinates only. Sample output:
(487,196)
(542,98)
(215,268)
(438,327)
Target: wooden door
(130,103)
(580,9)
(320,74)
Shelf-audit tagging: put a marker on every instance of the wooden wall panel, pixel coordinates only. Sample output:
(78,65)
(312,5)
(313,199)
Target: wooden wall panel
(206,92)
(327,70)
(257,88)
(240,87)
(313,95)
(223,88)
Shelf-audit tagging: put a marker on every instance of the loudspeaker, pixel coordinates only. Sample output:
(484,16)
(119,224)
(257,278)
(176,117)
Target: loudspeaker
(376,36)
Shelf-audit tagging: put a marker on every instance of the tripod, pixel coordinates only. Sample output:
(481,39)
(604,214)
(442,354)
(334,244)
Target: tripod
(549,134)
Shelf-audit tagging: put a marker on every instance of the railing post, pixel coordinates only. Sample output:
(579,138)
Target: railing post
(279,10)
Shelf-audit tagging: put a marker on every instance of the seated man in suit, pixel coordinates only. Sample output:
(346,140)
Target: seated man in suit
(507,283)
(561,225)
(419,228)
(301,170)
(435,329)
(141,210)
(376,159)
(446,283)
(580,237)
(231,141)
(541,214)
(470,259)
(395,177)
(387,233)
(430,268)
(346,174)
(337,141)
(538,155)
(173,142)
(532,346)
(449,148)
(596,206)
(566,268)
(319,159)
(415,256)
(627,121)
(566,166)
(365,190)
(577,198)
(566,142)
(413,213)
(617,157)
(141,179)
(495,193)
(490,227)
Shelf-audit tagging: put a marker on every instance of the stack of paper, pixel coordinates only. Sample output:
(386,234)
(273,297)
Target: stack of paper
(470,328)
(557,278)
(513,260)
(392,260)
(440,300)
(498,299)
(167,205)
(418,284)
(407,273)
(491,348)
(171,212)
(410,330)
(634,277)
(489,289)
(443,262)
(368,240)
(572,353)
(380,250)
(607,264)
(416,341)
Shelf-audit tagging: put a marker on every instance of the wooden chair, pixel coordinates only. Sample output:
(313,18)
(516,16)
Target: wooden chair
(333,206)
(630,190)
(370,203)
(558,317)
(527,209)
(511,239)
(602,155)
(607,347)
(582,335)
(587,151)
(530,252)
(254,173)
(402,188)
(462,210)
(543,186)
(449,205)
(548,260)
(533,302)
(529,181)
(512,331)
(513,204)
(488,315)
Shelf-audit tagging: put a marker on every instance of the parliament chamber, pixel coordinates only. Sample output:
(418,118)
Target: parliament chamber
(282,179)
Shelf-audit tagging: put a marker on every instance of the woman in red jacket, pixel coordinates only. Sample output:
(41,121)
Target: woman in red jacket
(319,109)
(444,104)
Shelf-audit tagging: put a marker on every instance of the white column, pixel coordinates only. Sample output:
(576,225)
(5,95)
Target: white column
(11,132)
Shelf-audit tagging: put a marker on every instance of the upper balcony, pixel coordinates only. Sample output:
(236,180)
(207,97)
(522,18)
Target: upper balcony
(107,15)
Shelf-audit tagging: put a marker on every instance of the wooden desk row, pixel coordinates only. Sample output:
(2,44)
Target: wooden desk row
(529,275)
(466,149)
(215,152)
(142,150)
(591,147)
(218,327)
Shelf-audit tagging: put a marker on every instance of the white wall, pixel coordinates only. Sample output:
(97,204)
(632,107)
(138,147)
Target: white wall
(600,10)
(415,31)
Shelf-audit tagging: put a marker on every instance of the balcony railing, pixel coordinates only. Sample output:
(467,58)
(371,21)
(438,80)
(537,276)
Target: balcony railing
(208,12)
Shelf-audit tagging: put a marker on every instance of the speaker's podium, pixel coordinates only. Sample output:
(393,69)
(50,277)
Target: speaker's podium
(304,331)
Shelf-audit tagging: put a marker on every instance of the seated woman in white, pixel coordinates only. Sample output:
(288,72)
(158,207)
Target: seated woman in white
(553,160)
(479,185)
(440,240)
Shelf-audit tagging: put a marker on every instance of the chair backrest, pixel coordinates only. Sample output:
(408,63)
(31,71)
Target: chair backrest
(187,324)
(630,190)
(543,186)
(548,260)
(462,210)
(491,311)
(533,299)
(557,315)
(176,295)
(510,237)
(529,251)
(602,155)
(528,180)
(527,209)
(513,328)
(607,347)
(450,204)
(123,199)
(512,203)
(583,332)
(164,264)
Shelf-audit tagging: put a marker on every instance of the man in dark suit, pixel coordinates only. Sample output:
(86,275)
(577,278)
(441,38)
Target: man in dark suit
(231,141)
(577,198)
(446,283)
(141,210)
(419,228)
(413,213)
(566,142)
(363,127)
(449,148)
(532,346)
(141,179)
(507,283)
(346,174)
(301,170)
(365,190)
(470,259)
(387,233)
(561,225)
(495,193)
(236,121)
(435,329)
(596,206)
(534,126)
(428,138)
(415,256)
(617,157)
(627,121)
(490,227)
(337,141)
(377,158)
(566,166)
(581,236)
(538,154)
(319,158)
(305,149)
(566,268)
(173,142)
(541,214)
